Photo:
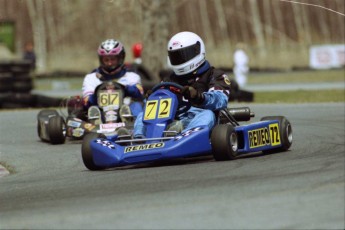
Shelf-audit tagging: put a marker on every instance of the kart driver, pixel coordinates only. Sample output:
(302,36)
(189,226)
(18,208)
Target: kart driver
(111,55)
(207,88)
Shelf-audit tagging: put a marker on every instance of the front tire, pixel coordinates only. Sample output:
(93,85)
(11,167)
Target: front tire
(86,151)
(57,130)
(285,130)
(41,116)
(224,142)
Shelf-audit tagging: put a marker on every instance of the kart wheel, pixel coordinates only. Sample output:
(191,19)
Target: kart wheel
(285,130)
(39,128)
(41,115)
(224,142)
(57,130)
(86,151)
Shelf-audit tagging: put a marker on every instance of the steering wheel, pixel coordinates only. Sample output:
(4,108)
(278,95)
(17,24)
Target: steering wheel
(105,100)
(110,84)
(183,106)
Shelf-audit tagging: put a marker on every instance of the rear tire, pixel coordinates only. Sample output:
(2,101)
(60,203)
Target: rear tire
(285,130)
(224,142)
(86,151)
(57,130)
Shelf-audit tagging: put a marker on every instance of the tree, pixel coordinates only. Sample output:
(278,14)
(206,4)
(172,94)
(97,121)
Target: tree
(36,13)
(156,18)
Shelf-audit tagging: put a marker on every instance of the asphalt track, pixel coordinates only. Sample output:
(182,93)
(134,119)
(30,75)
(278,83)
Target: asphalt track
(299,189)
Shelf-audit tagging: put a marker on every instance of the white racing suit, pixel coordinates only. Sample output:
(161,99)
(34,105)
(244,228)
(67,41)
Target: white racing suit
(130,80)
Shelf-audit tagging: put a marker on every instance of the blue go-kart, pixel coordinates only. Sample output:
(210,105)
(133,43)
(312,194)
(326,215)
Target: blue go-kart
(225,141)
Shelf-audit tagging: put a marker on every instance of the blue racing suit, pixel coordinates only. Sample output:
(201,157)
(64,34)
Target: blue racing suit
(212,83)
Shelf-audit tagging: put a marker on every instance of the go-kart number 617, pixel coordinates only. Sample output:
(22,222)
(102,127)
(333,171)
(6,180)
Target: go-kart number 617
(106,99)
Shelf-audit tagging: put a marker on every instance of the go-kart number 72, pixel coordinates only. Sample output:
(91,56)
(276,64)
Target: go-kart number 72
(106,99)
(163,106)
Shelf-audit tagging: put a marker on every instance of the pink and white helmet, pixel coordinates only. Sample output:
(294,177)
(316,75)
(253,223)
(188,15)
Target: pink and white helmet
(111,47)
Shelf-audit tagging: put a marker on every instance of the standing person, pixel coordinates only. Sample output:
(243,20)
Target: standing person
(241,62)
(29,54)
(111,54)
(206,87)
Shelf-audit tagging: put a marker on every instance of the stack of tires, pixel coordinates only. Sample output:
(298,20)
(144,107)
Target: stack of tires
(15,84)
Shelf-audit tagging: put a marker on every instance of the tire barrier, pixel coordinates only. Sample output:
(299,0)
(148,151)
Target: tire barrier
(16,84)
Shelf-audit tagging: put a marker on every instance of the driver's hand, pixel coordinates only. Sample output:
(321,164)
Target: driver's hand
(148,93)
(191,94)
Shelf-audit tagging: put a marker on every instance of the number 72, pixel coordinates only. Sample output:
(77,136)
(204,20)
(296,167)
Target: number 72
(163,106)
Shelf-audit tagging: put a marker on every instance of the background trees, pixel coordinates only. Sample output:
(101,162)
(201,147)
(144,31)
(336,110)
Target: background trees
(278,33)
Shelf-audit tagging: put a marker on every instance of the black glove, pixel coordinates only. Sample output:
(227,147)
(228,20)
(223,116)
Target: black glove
(192,95)
(148,93)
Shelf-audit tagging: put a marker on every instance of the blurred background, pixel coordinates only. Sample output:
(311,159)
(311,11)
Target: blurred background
(294,48)
(66,33)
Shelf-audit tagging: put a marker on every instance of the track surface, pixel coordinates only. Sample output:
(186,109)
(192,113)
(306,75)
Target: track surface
(301,188)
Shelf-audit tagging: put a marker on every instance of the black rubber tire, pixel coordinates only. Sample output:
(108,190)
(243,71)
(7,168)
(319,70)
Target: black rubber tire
(57,130)
(46,101)
(22,99)
(224,142)
(6,87)
(6,78)
(23,85)
(86,152)
(44,113)
(47,112)
(4,97)
(285,130)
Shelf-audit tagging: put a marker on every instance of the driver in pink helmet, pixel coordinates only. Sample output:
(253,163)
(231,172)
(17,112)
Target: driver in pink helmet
(112,55)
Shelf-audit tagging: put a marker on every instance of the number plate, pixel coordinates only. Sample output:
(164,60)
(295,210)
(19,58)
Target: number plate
(163,106)
(106,98)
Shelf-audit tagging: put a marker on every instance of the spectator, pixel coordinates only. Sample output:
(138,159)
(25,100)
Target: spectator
(29,54)
(241,68)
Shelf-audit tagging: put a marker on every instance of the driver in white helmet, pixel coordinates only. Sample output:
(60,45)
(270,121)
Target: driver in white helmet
(111,55)
(207,88)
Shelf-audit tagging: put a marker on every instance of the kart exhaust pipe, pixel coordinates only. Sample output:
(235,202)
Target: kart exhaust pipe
(241,113)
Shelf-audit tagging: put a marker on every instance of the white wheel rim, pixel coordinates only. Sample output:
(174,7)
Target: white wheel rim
(289,133)
(233,141)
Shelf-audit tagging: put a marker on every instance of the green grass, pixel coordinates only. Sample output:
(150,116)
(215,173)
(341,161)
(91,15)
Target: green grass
(297,77)
(8,167)
(75,83)
(300,96)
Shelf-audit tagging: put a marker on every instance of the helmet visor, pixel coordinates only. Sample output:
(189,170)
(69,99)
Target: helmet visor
(185,54)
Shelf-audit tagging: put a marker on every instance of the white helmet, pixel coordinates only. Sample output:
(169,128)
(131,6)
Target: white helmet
(186,52)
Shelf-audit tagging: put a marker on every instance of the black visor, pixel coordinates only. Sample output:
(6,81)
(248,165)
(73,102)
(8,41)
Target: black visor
(185,54)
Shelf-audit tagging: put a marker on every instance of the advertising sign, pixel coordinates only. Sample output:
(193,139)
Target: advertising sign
(327,56)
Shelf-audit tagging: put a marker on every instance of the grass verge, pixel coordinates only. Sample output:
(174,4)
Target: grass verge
(336,75)
(8,167)
(300,96)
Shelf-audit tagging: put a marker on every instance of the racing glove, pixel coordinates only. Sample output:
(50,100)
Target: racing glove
(135,91)
(192,95)
(148,93)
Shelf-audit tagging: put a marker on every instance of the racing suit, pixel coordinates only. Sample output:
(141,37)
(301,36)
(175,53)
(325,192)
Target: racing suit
(130,80)
(215,86)
(241,68)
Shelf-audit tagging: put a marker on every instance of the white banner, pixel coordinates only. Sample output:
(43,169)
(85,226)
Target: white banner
(327,56)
